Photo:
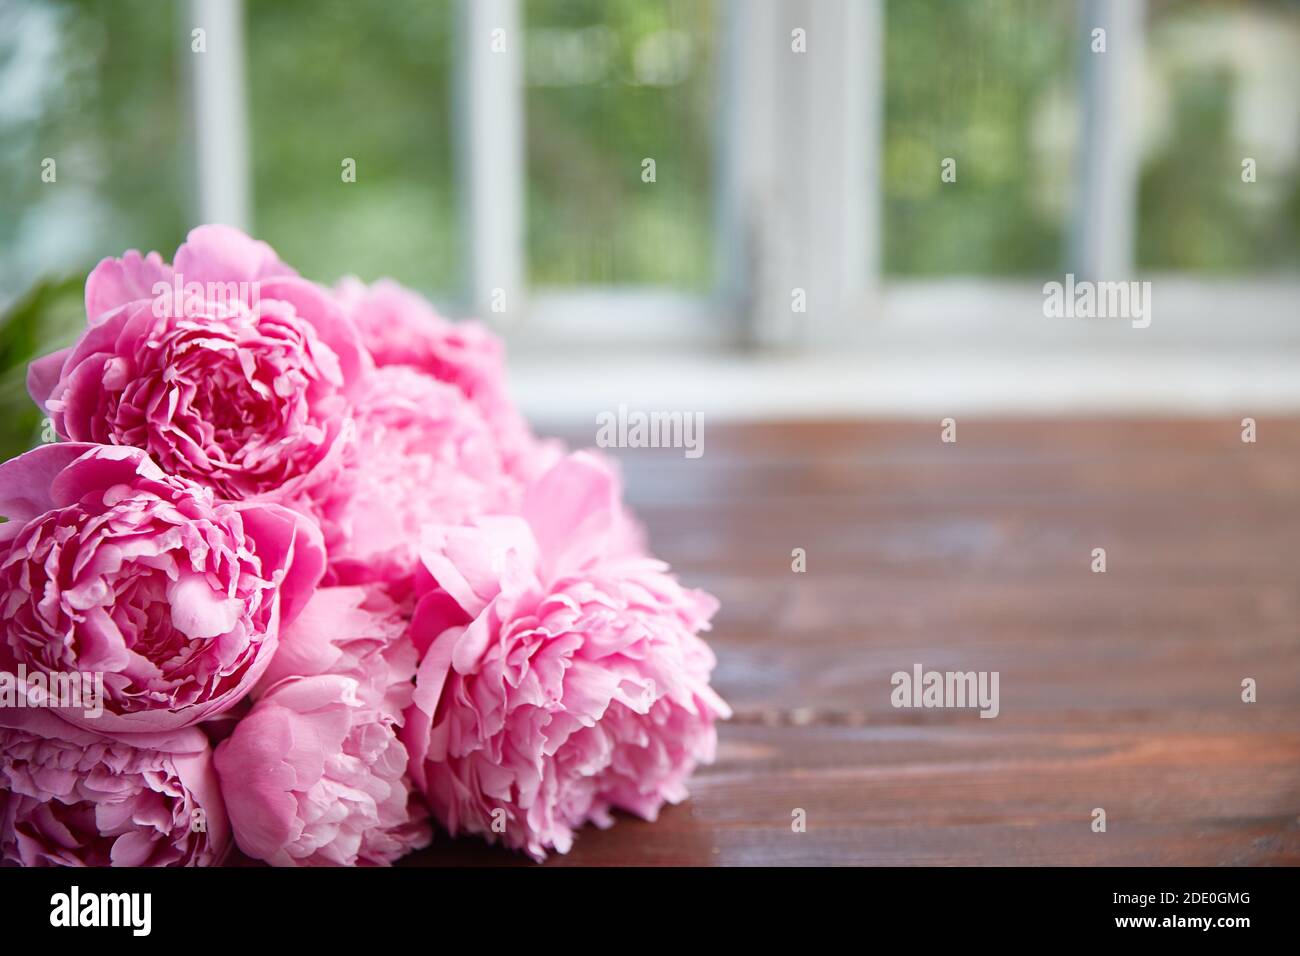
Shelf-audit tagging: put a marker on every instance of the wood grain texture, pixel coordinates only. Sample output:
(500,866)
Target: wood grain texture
(1118,690)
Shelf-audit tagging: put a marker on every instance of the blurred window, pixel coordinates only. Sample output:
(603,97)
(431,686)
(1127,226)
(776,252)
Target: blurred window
(992,86)
(655,135)
(611,85)
(1222,80)
(93,140)
(331,80)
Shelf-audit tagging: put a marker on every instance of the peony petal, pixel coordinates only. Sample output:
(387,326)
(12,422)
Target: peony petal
(43,375)
(286,539)
(198,611)
(572,511)
(25,483)
(217,253)
(115,282)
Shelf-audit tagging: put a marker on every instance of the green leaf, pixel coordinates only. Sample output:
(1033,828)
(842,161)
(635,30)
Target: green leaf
(47,318)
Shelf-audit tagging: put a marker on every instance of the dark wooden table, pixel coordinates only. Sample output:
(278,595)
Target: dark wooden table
(1119,690)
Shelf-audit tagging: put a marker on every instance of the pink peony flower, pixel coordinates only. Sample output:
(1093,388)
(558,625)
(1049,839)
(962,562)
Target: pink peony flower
(315,775)
(227,368)
(562,675)
(69,797)
(423,454)
(358,632)
(108,565)
(400,327)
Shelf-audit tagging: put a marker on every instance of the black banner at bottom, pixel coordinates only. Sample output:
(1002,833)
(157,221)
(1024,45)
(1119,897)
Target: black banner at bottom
(141,907)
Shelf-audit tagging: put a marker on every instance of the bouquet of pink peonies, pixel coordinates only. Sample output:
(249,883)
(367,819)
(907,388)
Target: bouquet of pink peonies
(298,576)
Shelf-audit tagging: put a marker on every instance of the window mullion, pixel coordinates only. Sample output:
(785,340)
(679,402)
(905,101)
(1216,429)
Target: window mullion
(219,113)
(1105,220)
(490,147)
(802,86)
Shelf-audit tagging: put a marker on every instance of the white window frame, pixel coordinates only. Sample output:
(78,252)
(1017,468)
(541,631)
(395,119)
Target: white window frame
(798,204)
(219,112)
(491,168)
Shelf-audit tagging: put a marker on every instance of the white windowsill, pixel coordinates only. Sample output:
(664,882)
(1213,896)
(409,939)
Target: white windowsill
(558,388)
(930,348)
